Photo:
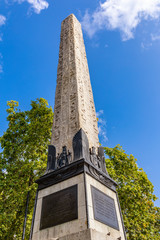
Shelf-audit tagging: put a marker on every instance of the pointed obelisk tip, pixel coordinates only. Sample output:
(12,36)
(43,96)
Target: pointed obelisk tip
(71,16)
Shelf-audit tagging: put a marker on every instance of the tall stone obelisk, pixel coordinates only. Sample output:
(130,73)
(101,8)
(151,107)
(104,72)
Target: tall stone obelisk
(76,198)
(74,106)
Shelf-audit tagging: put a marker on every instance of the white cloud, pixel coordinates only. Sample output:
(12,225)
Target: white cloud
(95,45)
(102,127)
(36,5)
(146,45)
(155,37)
(2,20)
(124,15)
(1,69)
(1,66)
(99,113)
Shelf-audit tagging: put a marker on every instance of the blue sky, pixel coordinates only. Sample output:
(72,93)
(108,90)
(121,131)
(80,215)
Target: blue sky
(122,41)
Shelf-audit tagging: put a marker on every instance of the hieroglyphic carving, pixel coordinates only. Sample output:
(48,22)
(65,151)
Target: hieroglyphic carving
(74,105)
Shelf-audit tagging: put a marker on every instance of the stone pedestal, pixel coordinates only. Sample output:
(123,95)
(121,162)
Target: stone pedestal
(85,194)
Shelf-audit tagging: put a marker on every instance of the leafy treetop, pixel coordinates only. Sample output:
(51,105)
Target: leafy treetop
(23,159)
(135,191)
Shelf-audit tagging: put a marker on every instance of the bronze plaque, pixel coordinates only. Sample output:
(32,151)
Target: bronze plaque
(104,208)
(59,207)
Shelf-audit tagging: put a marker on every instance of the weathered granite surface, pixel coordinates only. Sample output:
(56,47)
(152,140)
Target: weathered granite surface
(74,105)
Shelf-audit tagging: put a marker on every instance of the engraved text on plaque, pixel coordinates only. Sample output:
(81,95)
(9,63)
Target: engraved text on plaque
(104,208)
(59,207)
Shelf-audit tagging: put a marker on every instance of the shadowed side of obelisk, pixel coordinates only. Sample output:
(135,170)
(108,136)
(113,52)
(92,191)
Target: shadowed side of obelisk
(74,106)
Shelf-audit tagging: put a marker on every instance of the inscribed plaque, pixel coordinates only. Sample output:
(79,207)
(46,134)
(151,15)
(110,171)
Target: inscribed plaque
(59,207)
(104,208)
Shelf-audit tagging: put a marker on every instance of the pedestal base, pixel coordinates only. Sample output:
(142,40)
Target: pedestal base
(93,207)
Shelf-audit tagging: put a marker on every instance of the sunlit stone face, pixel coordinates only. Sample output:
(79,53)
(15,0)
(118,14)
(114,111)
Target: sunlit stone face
(74,105)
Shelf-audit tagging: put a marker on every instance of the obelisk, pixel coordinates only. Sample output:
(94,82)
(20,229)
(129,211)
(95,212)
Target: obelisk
(74,106)
(76,198)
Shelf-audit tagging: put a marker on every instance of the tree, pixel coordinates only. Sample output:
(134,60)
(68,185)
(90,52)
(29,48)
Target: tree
(23,160)
(135,191)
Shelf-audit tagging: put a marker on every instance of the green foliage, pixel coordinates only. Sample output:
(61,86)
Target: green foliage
(135,191)
(23,160)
